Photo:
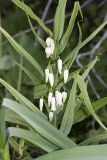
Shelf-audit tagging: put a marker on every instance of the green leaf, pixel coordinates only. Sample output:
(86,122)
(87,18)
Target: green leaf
(43,127)
(2,129)
(94,139)
(21,98)
(14,118)
(68,32)
(84,113)
(4,150)
(29,74)
(59,20)
(95,152)
(90,66)
(29,11)
(68,117)
(40,91)
(87,102)
(74,53)
(32,137)
(41,41)
(23,52)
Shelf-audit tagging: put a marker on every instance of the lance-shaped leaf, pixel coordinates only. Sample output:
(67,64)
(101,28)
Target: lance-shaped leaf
(87,101)
(32,137)
(74,53)
(29,11)
(59,20)
(23,52)
(43,127)
(67,120)
(94,152)
(69,30)
(84,112)
(21,98)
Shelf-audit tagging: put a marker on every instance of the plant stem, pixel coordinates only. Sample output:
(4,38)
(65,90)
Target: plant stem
(20,75)
(4,149)
(0,39)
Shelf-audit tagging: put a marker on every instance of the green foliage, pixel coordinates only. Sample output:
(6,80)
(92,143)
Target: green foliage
(34,127)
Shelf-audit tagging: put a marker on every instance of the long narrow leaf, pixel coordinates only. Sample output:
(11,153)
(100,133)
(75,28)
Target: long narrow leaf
(32,137)
(74,53)
(95,152)
(67,120)
(68,32)
(59,20)
(94,139)
(43,127)
(21,98)
(29,11)
(84,113)
(23,52)
(88,104)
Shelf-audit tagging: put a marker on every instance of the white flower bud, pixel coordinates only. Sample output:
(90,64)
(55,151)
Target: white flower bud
(64,97)
(48,51)
(66,73)
(46,75)
(59,66)
(58,97)
(49,98)
(50,116)
(41,104)
(51,79)
(53,104)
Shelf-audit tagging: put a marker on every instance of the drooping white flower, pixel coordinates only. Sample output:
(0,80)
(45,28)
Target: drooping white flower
(49,98)
(41,104)
(64,97)
(51,116)
(66,73)
(48,51)
(53,104)
(49,41)
(51,79)
(58,97)
(46,75)
(59,66)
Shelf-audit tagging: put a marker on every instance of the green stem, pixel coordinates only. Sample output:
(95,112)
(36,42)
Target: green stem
(4,149)
(0,39)
(20,75)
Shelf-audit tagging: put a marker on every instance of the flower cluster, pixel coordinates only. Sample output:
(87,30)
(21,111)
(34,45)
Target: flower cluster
(57,98)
